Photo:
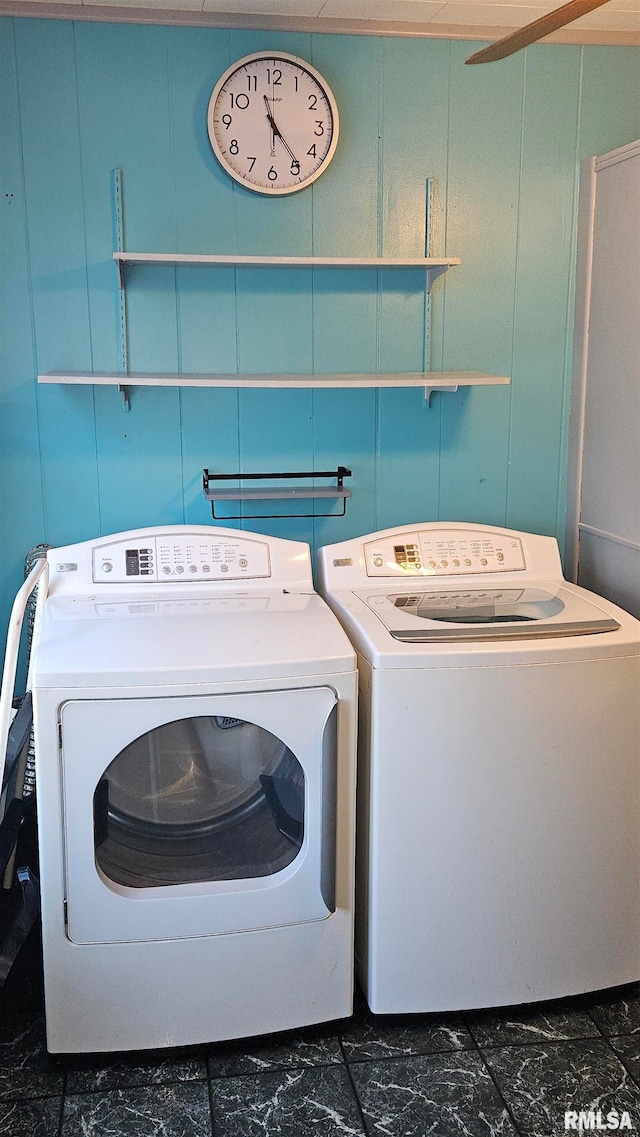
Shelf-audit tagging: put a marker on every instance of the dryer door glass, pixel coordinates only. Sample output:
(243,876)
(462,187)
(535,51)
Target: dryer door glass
(206,798)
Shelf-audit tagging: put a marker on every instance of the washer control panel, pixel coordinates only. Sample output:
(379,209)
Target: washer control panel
(183,557)
(443,552)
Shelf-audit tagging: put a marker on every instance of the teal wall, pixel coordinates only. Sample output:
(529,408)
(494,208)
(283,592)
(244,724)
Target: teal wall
(502,145)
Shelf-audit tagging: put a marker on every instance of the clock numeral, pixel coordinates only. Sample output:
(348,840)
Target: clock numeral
(233,146)
(252,82)
(272,175)
(276,72)
(241,101)
(226,121)
(295,169)
(295,79)
(253,162)
(313,102)
(312,151)
(320,126)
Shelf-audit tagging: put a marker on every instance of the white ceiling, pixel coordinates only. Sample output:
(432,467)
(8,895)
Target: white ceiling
(618,21)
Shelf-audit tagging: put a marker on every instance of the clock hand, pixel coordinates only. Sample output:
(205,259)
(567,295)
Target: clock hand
(287,148)
(271,124)
(277,134)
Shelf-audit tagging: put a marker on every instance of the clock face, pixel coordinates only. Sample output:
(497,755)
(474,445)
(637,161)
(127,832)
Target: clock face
(273,123)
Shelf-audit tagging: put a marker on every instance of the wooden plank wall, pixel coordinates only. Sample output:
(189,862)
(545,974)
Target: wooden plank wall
(500,142)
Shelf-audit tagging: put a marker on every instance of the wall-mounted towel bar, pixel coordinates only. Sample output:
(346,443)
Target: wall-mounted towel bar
(275,493)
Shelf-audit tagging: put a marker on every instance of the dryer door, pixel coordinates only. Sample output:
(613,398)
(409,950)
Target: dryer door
(200,815)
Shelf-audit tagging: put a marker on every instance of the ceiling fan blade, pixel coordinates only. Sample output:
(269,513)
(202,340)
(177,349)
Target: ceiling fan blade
(522,37)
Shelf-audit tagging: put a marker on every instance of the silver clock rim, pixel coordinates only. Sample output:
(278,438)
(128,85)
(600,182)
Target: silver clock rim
(269,191)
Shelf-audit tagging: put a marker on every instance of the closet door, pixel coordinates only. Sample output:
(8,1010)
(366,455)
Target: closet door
(608,461)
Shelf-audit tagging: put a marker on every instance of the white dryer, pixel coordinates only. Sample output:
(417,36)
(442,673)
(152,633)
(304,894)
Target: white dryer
(499,770)
(194,705)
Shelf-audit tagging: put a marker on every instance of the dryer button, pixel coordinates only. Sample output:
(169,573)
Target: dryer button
(179,568)
(378,562)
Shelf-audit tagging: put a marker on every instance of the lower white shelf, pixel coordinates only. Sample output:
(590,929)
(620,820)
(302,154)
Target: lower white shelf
(431,380)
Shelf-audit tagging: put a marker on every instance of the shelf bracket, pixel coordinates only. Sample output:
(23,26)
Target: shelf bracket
(117,220)
(433,273)
(118,242)
(428,244)
(275,493)
(428,392)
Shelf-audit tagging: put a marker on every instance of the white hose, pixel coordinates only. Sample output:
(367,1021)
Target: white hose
(13,645)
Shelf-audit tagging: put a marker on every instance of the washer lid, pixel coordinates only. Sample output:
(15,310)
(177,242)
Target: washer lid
(437,616)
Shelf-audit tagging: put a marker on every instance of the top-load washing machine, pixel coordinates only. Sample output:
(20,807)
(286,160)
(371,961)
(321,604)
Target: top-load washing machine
(195,709)
(499,770)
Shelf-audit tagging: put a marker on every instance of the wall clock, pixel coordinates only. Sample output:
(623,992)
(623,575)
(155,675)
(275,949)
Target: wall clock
(273,122)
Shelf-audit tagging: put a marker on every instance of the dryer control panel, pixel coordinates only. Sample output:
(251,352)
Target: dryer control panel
(443,552)
(180,557)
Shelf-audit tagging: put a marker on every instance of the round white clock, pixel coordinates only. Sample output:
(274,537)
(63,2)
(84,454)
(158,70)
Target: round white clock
(273,122)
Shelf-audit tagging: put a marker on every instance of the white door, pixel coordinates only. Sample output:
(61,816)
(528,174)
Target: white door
(603,514)
(199,815)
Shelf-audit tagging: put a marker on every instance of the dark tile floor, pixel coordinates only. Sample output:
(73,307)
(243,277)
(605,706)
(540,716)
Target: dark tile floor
(490,1074)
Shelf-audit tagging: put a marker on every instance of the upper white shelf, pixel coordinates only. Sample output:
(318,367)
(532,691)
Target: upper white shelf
(434,266)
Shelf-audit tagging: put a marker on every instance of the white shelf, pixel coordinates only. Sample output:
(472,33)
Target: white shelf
(271,262)
(433,380)
(434,266)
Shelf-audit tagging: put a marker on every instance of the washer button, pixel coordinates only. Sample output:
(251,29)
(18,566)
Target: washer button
(107,566)
(378,562)
(224,568)
(179,568)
